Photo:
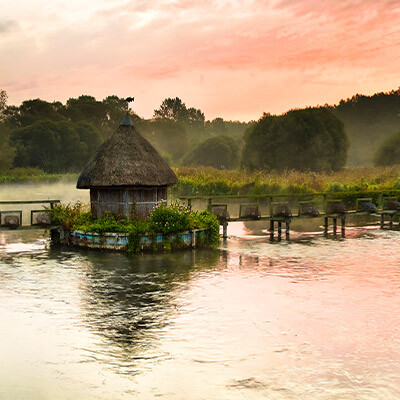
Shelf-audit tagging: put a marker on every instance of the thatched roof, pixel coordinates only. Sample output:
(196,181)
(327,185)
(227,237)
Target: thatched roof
(126,159)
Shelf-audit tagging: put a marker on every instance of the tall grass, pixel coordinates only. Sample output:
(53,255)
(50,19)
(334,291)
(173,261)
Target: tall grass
(210,181)
(35,175)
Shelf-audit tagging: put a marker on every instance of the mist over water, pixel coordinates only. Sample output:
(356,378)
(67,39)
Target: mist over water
(314,318)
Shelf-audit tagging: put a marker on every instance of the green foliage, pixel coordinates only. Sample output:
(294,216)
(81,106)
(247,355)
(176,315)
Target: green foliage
(368,121)
(55,146)
(168,136)
(71,216)
(191,118)
(170,219)
(220,152)
(6,151)
(389,151)
(310,139)
(165,220)
(209,181)
(20,175)
(3,102)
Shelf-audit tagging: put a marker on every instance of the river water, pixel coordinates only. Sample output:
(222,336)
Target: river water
(315,318)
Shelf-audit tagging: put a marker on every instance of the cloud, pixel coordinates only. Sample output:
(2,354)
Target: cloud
(263,48)
(7,26)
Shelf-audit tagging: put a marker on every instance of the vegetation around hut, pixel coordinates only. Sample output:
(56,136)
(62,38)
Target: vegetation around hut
(173,219)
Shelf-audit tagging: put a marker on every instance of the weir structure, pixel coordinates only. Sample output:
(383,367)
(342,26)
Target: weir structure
(281,209)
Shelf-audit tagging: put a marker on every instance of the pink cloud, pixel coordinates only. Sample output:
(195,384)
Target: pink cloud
(258,49)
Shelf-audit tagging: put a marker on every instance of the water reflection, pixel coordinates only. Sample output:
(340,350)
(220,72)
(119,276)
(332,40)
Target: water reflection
(129,300)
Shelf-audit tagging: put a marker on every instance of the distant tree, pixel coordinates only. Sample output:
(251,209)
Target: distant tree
(168,136)
(217,127)
(368,121)
(55,146)
(6,151)
(389,151)
(105,115)
(174,109)
(3,102)
(310,139)
(31,111)
(219,152)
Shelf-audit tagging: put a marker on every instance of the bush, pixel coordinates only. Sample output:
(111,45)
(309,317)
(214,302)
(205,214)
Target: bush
(310,139)
(389,151)
(220,152)
(175,218)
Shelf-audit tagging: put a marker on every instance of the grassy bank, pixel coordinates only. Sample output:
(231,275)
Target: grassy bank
(210,181)
(33,175)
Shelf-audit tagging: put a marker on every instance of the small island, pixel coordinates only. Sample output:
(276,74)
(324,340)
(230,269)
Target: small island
(128,181)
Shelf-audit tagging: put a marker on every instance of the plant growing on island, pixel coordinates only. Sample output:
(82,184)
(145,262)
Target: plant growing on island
(165,220)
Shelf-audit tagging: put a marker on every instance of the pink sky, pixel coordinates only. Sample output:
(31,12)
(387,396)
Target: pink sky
(233,59)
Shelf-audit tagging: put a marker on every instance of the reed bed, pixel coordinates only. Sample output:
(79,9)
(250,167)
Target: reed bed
(197,181)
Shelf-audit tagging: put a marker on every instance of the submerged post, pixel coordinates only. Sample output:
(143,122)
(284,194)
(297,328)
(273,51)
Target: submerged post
(225,229)
(343,226)
(287,231)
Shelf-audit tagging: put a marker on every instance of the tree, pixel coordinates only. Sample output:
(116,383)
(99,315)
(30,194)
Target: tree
(6,151)
(3,102)
(31,111)
(310,139)
(55,146)
(368,121)
(389,151)
(174,109)
(220,152)
(168,136)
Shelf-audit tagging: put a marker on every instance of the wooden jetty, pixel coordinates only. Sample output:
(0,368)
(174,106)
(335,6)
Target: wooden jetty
(13,218)
(281,209)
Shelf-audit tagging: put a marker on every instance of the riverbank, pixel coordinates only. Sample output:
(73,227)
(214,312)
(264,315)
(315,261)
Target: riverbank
(197,181)
(34,175)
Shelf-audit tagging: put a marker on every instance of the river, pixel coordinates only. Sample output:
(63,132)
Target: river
(314,318)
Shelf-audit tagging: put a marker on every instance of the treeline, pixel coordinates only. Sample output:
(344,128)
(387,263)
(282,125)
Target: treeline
(369,121)
(57,137)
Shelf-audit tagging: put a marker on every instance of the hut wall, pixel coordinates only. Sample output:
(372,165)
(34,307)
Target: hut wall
(127,202)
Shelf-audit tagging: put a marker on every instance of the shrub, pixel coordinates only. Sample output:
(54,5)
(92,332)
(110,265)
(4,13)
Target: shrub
(165,220)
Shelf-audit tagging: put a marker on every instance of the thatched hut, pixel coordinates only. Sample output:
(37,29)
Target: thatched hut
(127,176)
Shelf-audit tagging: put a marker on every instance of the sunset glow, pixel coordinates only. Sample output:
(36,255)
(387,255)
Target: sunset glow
(233,59)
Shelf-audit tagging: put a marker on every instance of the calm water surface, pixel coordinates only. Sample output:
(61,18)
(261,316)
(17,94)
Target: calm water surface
(312,319)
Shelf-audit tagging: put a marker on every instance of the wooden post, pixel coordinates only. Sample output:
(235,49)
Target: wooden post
(390,221)
(279,230)
(225,229)
(271,230)
(209,204)
(287,232)
(382,220)
(343,225)
(334,225)
(190,203)
(326,223)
